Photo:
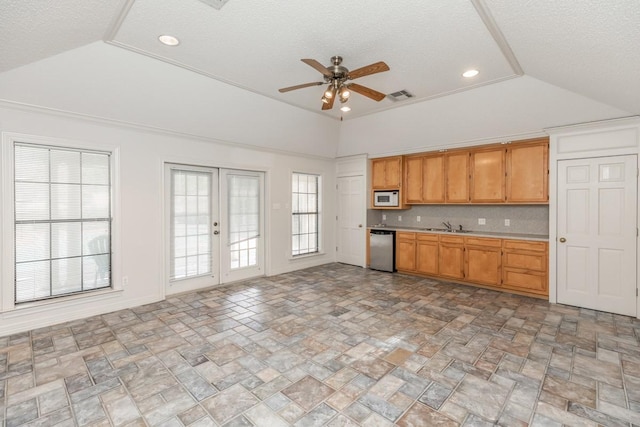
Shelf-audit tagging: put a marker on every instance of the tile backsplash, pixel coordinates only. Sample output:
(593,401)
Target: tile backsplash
(527,219)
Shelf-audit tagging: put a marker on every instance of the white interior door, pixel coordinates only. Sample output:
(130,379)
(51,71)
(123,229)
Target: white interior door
(242,225)
(351,229)
(597,233)
(192,228)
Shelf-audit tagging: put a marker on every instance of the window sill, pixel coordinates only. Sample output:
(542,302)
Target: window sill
(87,296)
(305,256)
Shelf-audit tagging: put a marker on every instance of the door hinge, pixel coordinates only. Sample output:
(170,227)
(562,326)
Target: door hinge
(336,249)
(336,217)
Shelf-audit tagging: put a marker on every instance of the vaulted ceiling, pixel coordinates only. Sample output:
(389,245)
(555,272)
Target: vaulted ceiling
(585,47)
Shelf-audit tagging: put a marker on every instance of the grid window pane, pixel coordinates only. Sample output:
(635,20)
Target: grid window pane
(65,167)
(66,239)
(95,169)
(32,242)
(62,219)
(305,214)
(67,205)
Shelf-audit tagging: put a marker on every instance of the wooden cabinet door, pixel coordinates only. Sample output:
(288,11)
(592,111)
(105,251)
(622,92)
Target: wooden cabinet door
(451,257)
(405,251)
(427,254)
(528,172)
(393,172)
(433,179)
(378,167)
(413,179)
(457,173)
(483,261)
(488,176)
(386,173)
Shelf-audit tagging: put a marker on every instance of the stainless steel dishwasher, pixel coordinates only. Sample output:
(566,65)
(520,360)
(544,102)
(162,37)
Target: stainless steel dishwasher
(382,250)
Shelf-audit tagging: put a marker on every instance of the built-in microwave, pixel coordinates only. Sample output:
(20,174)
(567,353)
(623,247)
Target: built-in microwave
(384,199)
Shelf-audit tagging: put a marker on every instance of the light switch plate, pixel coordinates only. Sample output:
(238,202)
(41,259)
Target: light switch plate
(418,218)
(507,223)
(482,221)
(384,217)
(399,218)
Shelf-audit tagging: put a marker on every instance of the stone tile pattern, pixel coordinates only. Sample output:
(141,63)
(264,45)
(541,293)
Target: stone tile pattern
(334,345)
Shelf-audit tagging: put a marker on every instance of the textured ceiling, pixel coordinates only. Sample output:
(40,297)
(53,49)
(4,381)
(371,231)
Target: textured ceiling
(586,46)
(31,30)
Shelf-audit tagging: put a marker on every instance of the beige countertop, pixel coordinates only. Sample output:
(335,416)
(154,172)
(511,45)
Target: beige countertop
(471,233)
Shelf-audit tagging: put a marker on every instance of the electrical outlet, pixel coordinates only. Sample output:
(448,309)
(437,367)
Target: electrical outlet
(482,221)
(507,223)
(399,218)
(384,217)
(125,281)
(418,218)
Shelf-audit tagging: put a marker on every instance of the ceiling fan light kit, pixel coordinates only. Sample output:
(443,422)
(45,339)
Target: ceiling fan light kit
(336,77)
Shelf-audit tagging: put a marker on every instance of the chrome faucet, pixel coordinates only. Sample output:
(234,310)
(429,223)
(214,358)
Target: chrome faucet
(448,225)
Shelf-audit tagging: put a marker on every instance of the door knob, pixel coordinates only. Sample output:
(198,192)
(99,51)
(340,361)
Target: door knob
(216,232)
(562,240)
(359,225)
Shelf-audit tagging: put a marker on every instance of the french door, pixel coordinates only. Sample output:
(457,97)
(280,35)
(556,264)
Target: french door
(193,228)
(215,219)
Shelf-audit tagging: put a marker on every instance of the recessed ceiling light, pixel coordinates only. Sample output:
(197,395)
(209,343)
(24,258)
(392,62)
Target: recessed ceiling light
(169,40)
(470,73)
(345,108)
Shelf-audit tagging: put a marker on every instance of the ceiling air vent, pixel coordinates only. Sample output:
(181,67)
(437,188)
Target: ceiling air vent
(215,3)
(400,95)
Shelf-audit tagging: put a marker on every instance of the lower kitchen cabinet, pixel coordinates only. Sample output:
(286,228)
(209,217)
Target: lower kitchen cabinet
(405,251)
(451,257)
(520,266)
(427,253)
(483,259)
(525,266)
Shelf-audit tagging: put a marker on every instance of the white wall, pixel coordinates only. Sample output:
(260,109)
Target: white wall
(514,109)
(142,153)
(102,80)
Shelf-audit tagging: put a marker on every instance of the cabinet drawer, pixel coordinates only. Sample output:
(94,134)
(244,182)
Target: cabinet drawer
(405,235)
(423,237)
(525,245)
(527,260)
(480,241)
(452,240)
(525,281)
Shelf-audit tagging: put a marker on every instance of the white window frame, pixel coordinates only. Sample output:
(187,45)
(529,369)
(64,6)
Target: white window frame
(320,250)
(7,215)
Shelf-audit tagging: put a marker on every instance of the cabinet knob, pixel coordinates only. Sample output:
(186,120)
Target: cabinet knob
(359,225)
(562,240)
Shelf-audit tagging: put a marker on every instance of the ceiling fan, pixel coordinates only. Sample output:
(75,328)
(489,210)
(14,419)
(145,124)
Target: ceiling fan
(336,77)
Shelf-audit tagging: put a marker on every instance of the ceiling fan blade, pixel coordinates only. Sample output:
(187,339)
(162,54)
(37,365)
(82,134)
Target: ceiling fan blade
(378,67)
(329,105)
(318,66)
(369,93)
(287,89)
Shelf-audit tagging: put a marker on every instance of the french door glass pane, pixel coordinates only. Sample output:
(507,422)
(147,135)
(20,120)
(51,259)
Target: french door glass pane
(190,232)
(244,219)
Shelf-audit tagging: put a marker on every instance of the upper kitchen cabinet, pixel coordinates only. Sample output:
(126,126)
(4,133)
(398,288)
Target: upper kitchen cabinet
(386,173)
(424,179)
(457,177)
(488,175)
(528,171)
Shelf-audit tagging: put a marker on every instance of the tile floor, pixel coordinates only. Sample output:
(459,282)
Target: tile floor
(334,345)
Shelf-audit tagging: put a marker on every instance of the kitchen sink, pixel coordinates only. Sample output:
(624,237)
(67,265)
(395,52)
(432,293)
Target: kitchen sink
(446,230)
